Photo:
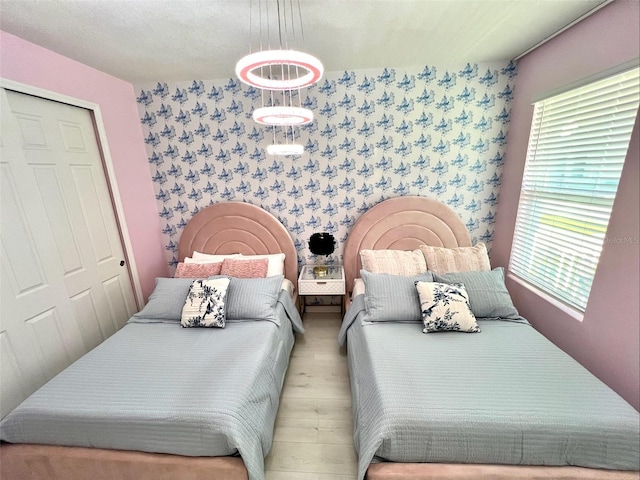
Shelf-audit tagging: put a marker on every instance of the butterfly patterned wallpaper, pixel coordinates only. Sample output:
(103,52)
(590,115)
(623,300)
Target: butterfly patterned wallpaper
(436,132)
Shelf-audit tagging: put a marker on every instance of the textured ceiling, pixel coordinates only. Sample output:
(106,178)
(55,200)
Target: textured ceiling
(149,40)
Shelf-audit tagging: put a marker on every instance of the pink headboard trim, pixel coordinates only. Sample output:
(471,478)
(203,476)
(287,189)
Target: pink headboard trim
(238,227)
(402,223)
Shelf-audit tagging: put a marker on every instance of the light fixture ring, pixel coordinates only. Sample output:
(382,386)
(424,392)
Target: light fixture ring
(285,59)
(285,149)
(282,116)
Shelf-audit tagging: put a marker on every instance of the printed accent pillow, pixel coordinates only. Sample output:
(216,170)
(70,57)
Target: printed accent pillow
(245,268)
(205,304)
(461,259)
(445,307)
(488,295)
(197,270)
(393,262)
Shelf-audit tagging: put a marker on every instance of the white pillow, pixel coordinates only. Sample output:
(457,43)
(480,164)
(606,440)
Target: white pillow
(276,262)
(205,305)
(393,262)
(207,258)
(358,287)
(461,259)
(445,307)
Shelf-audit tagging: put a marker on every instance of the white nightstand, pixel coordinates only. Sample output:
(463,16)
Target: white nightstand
(322,280)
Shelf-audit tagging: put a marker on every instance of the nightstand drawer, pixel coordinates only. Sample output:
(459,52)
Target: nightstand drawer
(321,287)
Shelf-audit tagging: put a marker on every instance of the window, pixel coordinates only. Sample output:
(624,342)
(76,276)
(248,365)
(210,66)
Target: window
(577,147)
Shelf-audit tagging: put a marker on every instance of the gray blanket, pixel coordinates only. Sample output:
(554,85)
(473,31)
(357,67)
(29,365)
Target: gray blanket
(158,387)
(503,396)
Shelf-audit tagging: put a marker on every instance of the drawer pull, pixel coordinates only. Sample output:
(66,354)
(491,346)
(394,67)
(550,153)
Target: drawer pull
(321,283)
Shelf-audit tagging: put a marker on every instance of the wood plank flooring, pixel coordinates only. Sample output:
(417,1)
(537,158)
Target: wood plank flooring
(313,432)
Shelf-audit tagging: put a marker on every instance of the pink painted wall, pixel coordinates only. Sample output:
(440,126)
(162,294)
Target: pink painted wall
(607,340)
(30,64)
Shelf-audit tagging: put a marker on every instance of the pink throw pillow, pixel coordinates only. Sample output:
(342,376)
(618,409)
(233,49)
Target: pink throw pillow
(245,268)
(197,270)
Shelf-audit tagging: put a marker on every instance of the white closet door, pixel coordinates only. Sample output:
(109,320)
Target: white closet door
(63,288)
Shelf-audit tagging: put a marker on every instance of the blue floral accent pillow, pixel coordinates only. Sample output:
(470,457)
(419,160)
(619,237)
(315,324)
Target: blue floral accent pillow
(445,307)
(205,304)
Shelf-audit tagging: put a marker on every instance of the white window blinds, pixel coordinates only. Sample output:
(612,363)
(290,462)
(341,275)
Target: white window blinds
(577,148)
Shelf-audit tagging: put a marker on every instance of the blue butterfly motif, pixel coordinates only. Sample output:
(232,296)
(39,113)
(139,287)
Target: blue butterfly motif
(439,188)
(472,225)
(478,167)
(442,147)
(347,144)
(241,169)
(261,193)
(456,200)
(446,104)
(460,160)
(421,162)
(491,200)
(331,209)
(348,203)
(329,110)
(252,93)
(472,206)
(330,191)
(312,185)
(386,122)
(348,184)
(502,117)
(420,183)
(225,175)
(347,102)
(330,227)
(497,159)
(406,106)
(347,221)
(328,88)
(483,124)
(364,207)
(311,166)
(462,140)
(314,222)
(161,90)
(200,110)
(404,129)
(348,79)
(500,139)
(210,189)
(383,184)
(486,236)
(469,72)
(402,189)
(494,181)
(205,150)
(181,207)
(195,195)
(295,192)
(294,173)
(384,164)
(387,76)
(329,152)
(186,138)
(169,230)
(467,96)
(510,70)
(152,139)
(486,102)
(367,86)
(237,128)
(366,190)
(183,117)
(475,187)
(159,177)
(480,146)
(257,155)
(197,87)
(239,149)
(260,174)
(218,115)
(279,205)
(329,131)
(313,204)
(423,142)
(458,181)
(228,195)
(235,108)
(489,79)
(407,83)
(277,187)
(149,119)
(189,158)
(329,172)
(180,96)
(403,169)
(428,74)
(366,131)
(178,189)
(404,149)
(163,196)
(366,150)
(216,94)
(448,80)
(192,176)
(166,214)
(367,108)
(232,86)
(171,246)
(221,136)
(255,135)
(175,170)
(297,229)
(297,211)
(386,100)
(385,143)
(145,98)
(465,118)
(348,123)
(244,188)
(347,165)
(426,97)
(440,168)
(165,111)
(506,94)
(156,159)
(223,156)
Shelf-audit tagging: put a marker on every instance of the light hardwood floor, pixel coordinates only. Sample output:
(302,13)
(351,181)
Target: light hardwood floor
(313,433)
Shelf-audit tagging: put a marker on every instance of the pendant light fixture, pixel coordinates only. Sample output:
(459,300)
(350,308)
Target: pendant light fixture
(280,71)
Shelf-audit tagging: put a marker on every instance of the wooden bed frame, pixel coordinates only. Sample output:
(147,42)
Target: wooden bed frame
(222,228)
(404,223)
